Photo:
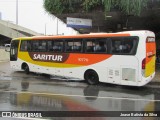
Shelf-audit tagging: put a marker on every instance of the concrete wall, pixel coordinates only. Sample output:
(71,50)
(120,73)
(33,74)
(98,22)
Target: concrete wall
(14,30)
(8,32)
(4,56)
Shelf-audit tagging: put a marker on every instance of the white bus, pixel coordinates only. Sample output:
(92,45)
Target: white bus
(124,58)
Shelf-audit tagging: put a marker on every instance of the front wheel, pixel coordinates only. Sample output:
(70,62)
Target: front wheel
(91,77)
(26,69)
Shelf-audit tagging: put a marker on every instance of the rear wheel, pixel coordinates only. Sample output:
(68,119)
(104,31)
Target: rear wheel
(91,77)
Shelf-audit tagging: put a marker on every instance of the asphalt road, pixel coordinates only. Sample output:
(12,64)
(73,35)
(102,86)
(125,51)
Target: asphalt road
(36,92)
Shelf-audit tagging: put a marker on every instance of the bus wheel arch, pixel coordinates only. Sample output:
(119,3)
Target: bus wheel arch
(91,76)
(25,67)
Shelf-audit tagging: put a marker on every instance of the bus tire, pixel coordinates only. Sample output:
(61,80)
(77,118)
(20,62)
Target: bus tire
(25,67)
(91,77)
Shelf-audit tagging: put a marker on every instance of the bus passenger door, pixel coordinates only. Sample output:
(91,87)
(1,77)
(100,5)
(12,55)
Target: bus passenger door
(14,50)
(150,57)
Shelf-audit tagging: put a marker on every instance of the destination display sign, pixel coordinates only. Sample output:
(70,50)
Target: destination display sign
(79,23)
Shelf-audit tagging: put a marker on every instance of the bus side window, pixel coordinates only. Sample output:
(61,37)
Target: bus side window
(49,46)
(96,46)
(25,46)
(58,46)
(41,46)
(77,46)
(89,46)
(69,46)
(124,46)
(28,46)
(35,45)
(115,46)
(73,46)
(100,47)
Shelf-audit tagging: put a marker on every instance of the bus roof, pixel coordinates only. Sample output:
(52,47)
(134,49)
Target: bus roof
(92,35)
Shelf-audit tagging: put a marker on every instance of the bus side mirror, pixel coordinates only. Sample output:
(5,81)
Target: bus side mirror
(7,47)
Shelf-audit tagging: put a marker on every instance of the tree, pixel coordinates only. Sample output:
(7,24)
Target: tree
(129,7)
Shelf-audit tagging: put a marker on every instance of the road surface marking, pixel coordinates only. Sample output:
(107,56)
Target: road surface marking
(67,95)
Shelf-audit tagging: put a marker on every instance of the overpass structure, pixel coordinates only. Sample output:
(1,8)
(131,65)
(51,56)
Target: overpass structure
(9,30)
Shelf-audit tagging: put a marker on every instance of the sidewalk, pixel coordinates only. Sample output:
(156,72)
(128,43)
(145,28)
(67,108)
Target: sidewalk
(5,69)
(157,76)
(4,56)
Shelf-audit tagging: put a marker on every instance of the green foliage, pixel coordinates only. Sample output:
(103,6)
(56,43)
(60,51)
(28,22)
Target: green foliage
(58,6)
(89,4)
(53,6)
(129,7)
(133,7)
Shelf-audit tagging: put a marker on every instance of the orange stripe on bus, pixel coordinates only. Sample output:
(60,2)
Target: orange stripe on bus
(86,59)
(82,36)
